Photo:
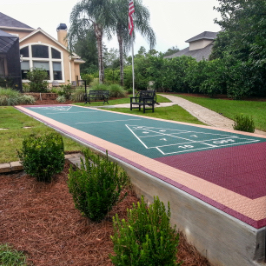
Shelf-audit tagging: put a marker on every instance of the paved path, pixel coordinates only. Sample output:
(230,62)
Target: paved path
(203,114)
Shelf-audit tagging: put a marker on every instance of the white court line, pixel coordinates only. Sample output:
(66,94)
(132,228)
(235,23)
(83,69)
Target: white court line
(199,149)
(71,112)
(104,121)
(137,137)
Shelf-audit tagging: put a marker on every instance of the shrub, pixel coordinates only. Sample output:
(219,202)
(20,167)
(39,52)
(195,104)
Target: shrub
(146,238)
(11,257)
(88,77)
(25,87)
(61,99)
(66,91)
(42,157)
(116,91)
(100,87)
(96,187)
(37,78)
(12,97)
(244,123)
(78,94)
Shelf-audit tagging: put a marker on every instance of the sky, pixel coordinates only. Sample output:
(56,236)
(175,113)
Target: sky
(173,21)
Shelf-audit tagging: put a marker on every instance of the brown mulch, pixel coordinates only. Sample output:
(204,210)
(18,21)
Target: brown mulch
(40,219)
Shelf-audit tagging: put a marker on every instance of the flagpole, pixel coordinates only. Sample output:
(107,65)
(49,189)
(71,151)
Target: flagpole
(133,74)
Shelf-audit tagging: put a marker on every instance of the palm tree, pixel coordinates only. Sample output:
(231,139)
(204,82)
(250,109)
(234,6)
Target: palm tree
(93,14)
(141,23)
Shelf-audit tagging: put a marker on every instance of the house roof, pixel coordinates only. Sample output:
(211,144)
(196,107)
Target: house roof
(199,54)
(73,56)
(209,35)
(6,21)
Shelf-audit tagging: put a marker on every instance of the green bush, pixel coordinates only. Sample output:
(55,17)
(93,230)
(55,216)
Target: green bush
(88,77)
(146,238)
(13,97)
(43,157)
(78,94)
(244,123)
(99,87)
(116,91)
(96,187)
(37,78)
(11,257)
(61,99)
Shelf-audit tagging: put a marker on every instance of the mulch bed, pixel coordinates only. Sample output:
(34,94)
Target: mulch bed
(40,219)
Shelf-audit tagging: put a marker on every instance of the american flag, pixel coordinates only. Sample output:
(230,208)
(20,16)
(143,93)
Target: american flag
(131,10)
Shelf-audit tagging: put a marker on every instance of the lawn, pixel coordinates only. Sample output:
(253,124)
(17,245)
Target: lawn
(15,126)
(160,99)
(231,108)
(175,113)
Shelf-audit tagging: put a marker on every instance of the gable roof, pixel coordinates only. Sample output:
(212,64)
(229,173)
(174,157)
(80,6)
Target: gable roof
(207,35)
(200,54)
(73,56)
(8,22)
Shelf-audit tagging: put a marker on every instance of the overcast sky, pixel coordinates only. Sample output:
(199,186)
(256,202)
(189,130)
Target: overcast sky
(173,21)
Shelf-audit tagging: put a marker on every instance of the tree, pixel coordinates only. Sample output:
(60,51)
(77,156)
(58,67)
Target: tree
(141,23)
(86,47)
(171,51)
(242,42)
(92,14)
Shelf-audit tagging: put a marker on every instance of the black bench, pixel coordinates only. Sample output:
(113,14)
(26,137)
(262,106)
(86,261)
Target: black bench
(95,95)
(143,99)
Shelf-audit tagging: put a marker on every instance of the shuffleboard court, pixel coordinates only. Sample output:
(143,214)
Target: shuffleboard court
(224,169)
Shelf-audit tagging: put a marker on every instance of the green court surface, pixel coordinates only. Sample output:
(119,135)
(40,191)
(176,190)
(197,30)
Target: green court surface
(149,137)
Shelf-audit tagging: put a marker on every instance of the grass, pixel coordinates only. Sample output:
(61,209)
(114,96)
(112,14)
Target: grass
(232,108)
(174,113)
(14,123)
(11,257)
(160,99)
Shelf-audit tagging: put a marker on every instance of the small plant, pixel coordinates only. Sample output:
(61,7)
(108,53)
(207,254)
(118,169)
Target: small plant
(66,91)
(99,87)
(12,97)
(244,123)
(11,257)
(88,77)
(146,238)
(61,99)
(96,187)
(79,94)
(43,157)
(25,87)
(116,91)
(37,78)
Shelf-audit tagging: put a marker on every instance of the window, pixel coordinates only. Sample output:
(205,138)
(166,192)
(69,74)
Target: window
(25,68)
(42,65)
(40,51)
(25,51)
(57,71)
(56,54)
(43,57)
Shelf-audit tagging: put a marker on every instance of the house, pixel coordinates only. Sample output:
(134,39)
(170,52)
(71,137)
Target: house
(200,46)
(40,50)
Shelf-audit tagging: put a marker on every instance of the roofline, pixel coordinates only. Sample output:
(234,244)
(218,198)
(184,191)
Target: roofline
(80,61)
(16,28)
(50,37)
(204,38)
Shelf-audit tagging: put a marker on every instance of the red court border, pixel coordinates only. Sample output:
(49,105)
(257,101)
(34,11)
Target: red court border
(254,223)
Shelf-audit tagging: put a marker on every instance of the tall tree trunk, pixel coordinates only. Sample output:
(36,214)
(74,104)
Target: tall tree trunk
(121,61)
(99,36)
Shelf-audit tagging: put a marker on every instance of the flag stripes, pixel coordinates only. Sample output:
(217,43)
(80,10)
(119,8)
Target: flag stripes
(131,10)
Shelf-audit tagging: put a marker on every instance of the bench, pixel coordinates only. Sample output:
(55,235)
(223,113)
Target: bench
(95,95)
(143,99)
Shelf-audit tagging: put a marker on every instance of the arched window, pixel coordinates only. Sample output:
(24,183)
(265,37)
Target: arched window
(42,56)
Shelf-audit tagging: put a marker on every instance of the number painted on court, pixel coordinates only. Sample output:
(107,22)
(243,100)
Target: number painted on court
(186,147)
(223,141)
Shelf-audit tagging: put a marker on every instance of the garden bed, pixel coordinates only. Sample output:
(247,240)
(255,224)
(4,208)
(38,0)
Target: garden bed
(41,220)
